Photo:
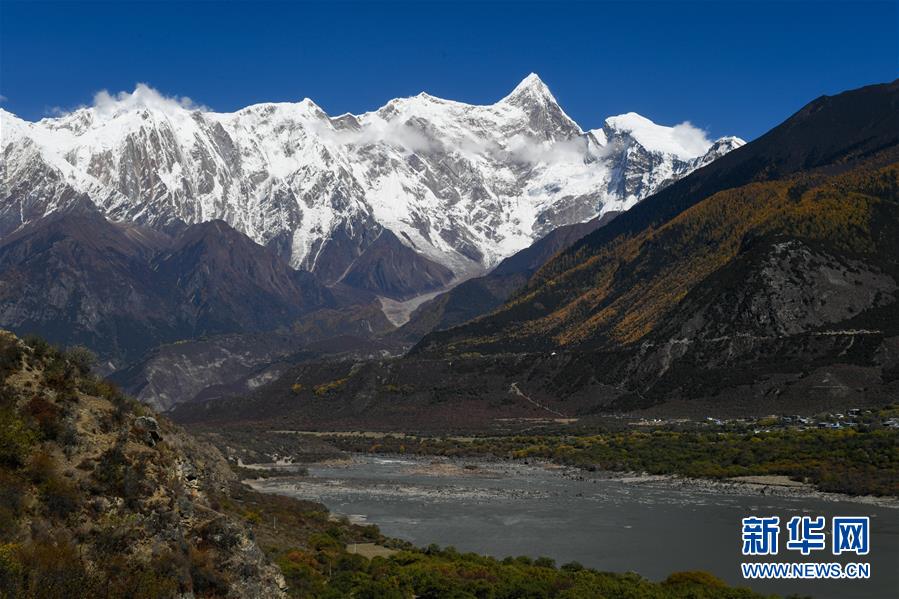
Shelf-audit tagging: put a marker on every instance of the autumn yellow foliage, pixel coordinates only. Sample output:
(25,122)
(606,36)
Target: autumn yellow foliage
(619,292)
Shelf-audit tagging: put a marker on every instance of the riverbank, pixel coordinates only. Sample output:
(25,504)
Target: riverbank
(845,462)
(775,486)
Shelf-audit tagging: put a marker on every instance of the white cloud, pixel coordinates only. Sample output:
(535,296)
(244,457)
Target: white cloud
(528,149)
(3,98)
(692,139)
(377,132)
(684,140)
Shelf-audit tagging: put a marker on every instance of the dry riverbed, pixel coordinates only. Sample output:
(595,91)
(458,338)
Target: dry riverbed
(769,485)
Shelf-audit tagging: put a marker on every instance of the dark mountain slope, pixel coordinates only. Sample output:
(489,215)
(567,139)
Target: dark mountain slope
(388,267)
(224,282)
(464,302)
(235,364)
(533,257)
(482,295)
(77,278)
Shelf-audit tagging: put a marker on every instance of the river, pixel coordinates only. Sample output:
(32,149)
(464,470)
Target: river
(653,526)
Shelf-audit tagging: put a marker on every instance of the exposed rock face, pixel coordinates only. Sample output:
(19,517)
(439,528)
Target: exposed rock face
(395,270)
(178,372)
(235,364)
(148,428)
(230,283)
(462,186)
(785,287)
(80,280)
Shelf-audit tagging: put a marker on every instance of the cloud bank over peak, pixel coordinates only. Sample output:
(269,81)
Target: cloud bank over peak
(143,96)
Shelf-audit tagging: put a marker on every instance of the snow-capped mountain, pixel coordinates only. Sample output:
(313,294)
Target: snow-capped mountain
(458,187)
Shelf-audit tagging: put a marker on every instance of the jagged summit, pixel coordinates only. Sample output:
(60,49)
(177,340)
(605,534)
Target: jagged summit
(530,88)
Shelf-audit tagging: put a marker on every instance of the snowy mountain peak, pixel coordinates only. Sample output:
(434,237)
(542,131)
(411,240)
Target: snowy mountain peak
(684,140)
(730,141)
(459,185)
(530,89)
(718,149)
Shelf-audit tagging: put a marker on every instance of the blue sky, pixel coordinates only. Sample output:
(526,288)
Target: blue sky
(728,67)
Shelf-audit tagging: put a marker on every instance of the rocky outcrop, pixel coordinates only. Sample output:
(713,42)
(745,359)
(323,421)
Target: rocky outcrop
(780,287)
(78,279)
(224,282)
(102,497)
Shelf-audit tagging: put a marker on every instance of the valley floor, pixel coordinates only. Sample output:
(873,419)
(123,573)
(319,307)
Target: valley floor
(828,454)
